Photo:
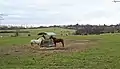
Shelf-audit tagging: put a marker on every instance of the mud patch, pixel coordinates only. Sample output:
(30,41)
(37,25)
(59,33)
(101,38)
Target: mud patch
(70,46)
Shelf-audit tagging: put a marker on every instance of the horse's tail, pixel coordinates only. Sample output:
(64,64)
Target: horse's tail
(31,44)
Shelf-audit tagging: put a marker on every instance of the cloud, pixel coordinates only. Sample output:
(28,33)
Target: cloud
(98,14)
(16,16)
(60,11)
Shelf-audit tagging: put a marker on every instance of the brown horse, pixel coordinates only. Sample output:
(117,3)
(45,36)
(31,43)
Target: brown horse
(55,40)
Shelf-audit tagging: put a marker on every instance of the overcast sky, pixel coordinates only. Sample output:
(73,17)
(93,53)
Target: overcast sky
(49,12)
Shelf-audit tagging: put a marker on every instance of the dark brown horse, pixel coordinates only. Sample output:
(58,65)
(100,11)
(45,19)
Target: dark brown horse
(55,40)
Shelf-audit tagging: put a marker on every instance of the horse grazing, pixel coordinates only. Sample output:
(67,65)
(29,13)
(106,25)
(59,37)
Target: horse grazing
(38,41)
(55,40)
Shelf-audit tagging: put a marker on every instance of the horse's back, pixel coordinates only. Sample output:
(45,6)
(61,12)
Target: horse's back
(59,40)
(32,40)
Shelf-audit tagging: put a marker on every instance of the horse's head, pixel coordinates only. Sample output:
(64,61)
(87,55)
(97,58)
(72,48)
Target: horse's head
(51,37)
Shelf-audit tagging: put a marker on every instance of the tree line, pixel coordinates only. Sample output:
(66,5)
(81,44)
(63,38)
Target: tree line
(95,29)
(22,27)
(80,29)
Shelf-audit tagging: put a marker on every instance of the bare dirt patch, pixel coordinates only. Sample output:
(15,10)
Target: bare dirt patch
(70,46)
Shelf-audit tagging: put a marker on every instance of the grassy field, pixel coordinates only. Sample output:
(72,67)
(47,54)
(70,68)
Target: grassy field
(103,54)
(23,38)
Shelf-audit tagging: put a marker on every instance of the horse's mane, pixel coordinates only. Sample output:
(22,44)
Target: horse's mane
(52,37)
(43,37)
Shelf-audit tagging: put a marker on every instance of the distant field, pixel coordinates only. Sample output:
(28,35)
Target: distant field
(80,52)
(34,32)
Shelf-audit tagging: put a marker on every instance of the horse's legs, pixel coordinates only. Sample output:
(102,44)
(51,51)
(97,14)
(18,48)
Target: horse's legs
(31,44)
(55,44)
(62,43)
(41,43)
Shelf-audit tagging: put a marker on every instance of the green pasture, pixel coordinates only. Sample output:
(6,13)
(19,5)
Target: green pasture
(104,55)
(24,39)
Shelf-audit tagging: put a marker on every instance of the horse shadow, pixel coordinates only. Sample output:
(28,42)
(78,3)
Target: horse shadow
(52,49)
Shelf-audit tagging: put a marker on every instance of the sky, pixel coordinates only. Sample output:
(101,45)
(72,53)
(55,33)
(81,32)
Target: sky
(59,12)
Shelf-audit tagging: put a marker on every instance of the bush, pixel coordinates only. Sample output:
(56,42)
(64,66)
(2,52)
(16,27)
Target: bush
(29,35)
(14,32)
